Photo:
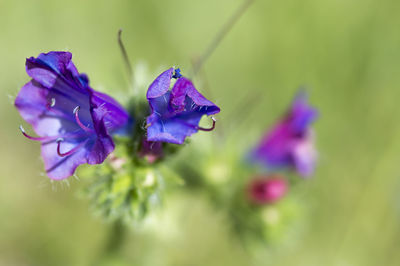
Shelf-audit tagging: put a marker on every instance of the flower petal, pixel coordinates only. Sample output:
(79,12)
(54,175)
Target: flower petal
(114,115)
(58,167)
(184,88)
(305,155)
(104,144)
(46,68)
(160,85)
(274,149)
(56,71)
(170,130)
(302,114)
(33,102)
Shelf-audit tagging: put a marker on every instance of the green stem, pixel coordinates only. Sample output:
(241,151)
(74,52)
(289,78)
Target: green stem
(114,243)
(116,238)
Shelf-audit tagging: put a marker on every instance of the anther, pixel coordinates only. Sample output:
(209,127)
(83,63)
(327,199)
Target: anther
(78,121)
(51,104)
(211,128)
(76,109)
(177,74)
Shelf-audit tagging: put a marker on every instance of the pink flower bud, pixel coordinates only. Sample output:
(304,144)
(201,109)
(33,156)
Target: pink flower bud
(267,189)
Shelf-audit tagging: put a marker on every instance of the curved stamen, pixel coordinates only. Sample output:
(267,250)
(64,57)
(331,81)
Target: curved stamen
(36,138)
(61,154)
(211,128)
(78,121)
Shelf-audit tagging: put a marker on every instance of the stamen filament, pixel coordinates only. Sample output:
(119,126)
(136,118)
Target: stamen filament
(209,129)
(36,138)
(72,151)
(78,121)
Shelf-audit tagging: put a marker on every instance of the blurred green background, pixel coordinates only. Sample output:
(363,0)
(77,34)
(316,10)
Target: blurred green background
(345,52)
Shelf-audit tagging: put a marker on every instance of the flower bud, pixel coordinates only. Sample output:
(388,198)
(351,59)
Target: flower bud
(152,151)
(267,189)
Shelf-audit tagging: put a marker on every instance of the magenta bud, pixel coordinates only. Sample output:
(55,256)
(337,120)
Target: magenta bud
(267,189)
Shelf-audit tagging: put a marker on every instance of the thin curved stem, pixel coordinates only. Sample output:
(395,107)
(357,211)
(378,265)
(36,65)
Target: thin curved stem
(125,55)
(220,36)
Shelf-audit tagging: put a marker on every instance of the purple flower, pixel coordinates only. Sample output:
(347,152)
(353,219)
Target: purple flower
(175,114)
(290,143)
(268,189)
(73,121)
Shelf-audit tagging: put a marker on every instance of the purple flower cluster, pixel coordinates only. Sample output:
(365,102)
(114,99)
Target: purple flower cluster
(75,123)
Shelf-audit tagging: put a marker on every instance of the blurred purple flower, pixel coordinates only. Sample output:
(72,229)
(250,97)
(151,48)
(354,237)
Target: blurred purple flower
(151,150)
(290,143)
(268,189)
(73,121)
(175,114)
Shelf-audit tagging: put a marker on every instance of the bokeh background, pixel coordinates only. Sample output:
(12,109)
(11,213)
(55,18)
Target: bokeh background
(345,52)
